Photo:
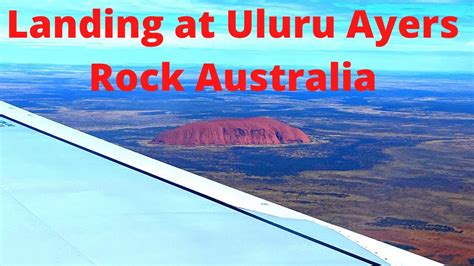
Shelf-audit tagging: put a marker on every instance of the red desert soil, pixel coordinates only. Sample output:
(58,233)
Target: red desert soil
(450,248)
(246,131)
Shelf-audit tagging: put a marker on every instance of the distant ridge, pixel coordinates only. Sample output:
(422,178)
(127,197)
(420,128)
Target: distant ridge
(224,132)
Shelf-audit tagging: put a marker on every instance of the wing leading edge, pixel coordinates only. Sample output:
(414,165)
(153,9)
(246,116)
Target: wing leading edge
(74,198)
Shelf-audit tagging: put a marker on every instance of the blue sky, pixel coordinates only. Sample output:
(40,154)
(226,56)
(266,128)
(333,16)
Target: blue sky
(436,54)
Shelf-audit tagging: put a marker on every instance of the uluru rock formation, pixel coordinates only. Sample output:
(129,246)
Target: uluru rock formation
(246,131)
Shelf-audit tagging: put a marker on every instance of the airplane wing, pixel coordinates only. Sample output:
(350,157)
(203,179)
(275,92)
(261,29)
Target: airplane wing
(70,198)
